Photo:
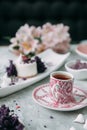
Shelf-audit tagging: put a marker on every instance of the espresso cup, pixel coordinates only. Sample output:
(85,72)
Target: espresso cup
(61,87)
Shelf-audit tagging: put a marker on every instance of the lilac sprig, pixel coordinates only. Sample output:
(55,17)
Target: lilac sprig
(40,65)
(11,70)
(9,121)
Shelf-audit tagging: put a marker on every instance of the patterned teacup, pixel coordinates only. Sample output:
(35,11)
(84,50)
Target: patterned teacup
(61,87)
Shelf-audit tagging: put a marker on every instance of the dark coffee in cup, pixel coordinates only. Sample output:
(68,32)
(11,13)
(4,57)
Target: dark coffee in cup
(62,76)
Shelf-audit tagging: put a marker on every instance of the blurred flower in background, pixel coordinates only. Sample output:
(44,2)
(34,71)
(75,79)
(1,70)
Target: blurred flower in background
(31,39)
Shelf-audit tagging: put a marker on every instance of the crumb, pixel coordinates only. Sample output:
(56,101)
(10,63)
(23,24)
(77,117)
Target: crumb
(12,83)
(14,100)
(16,103)
(24,78)
(17,107)
(51,117)
(45,126)
(12,110)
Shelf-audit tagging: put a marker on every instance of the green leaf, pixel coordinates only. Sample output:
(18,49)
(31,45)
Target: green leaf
(30,54)
(57,86)
(7,38)
(16,47)
(39,39)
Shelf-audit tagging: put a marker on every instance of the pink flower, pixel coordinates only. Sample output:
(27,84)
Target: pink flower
(49,36)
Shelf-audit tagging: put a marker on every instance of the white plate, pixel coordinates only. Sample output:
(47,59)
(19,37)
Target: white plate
(53,62)
(41,97)
(81,51)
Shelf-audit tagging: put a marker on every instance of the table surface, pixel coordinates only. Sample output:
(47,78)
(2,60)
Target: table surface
(34,116)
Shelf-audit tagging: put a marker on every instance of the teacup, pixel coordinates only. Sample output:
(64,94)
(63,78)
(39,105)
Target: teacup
(61,87)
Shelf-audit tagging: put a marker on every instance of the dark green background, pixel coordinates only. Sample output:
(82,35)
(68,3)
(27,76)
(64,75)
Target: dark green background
(14,13)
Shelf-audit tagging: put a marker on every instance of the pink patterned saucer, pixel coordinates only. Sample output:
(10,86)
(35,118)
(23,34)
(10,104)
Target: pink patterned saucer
(42,97)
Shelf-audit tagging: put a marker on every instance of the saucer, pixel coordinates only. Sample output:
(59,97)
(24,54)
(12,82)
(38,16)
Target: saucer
(42,97)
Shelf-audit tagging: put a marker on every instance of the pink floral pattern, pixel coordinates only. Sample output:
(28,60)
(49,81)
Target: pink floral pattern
(42,96)
(61,91)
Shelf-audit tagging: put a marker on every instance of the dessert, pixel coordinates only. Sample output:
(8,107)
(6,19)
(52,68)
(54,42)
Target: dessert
(21,69)
(26,67)
(9,121)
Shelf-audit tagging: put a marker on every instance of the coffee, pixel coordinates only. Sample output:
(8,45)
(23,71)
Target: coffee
(61,76)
